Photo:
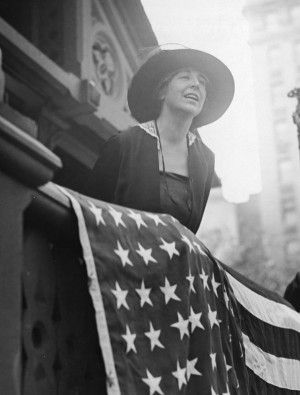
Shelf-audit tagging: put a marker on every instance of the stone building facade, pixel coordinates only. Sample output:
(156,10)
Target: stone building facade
(66,68)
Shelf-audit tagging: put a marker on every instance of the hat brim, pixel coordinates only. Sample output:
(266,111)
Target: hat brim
(219,90)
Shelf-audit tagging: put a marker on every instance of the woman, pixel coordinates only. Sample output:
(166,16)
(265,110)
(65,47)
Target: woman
(161,165)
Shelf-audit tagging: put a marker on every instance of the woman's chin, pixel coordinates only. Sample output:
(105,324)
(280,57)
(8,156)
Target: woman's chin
(189,111)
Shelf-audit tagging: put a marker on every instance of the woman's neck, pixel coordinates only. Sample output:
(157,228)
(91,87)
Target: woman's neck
(173,129)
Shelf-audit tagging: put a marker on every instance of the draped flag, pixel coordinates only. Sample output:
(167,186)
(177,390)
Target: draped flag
(171,319)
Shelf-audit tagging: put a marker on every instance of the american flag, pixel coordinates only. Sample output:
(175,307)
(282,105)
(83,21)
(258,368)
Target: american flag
(172,319)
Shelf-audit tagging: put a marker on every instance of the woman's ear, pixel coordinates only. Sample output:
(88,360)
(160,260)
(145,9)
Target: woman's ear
(162,91)
(161,94)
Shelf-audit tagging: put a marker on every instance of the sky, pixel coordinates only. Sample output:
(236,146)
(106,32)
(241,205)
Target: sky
(219,27)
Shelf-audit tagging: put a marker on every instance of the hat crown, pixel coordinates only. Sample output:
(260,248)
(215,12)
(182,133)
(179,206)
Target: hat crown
(163,61)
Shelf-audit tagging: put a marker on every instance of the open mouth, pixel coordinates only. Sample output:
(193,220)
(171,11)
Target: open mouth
(192,96)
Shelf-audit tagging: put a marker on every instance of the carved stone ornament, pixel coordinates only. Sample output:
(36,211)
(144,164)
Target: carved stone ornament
(107,67)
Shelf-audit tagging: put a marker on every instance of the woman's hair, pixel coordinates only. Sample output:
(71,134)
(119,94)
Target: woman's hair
(162,85)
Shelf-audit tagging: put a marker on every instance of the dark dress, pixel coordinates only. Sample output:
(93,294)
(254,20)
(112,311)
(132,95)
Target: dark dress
(127,173)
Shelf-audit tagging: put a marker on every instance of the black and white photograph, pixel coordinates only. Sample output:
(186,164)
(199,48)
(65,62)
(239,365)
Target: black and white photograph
(149,197)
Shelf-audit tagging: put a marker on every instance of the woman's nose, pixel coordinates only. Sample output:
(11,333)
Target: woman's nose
(195,82)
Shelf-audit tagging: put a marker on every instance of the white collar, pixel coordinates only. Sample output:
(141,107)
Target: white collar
(149,127)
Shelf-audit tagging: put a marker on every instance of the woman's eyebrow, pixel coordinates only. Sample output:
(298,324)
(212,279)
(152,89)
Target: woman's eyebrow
(201,77)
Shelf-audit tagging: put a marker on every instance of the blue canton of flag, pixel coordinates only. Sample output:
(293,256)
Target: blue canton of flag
(172,319)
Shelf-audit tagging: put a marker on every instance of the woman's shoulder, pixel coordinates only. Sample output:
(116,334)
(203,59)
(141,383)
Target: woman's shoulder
(122,137)
(139,131)
(130,131)
(195,137)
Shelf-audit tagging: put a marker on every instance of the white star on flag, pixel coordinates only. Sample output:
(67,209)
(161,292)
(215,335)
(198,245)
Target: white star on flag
(215,285)
(213,391)
(231,310)
(97,213)
(212,316)
(191,279)
(137,217)
(144,294)
(153,383)
(129,338)
(145,254)
(180,375)
(156,219)
(169,291)
(117,216)
(242,353)
(182,325)
(226,299)
(188,242)
(123,255)
(120,294)
(213,360)
(195,320)
(153,335)
(190,368)
(204,278)
(169,247)
(199,248)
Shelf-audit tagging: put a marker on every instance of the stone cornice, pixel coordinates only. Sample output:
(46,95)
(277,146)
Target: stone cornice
(24,158)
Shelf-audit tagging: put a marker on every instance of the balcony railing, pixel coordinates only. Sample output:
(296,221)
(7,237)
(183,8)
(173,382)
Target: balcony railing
(48,338)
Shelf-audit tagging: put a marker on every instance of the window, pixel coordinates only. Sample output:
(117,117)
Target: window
(286,173)
(281,131)
(290,220)
(296,48)
(281,113)
(278,95)
(292,247)
(272,21)
(274,57)
(287,191)
(288,203)
(258,22)
(295,14)
(274,61)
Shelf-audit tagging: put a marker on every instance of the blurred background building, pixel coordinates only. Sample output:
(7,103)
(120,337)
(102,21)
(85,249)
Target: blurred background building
(275,42)
(265,238)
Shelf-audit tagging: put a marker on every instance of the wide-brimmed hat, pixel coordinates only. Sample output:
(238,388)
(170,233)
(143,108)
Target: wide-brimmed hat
(142,98)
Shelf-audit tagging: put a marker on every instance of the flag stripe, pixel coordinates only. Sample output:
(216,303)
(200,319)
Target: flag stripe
(259,289)
(94,290)
(265,309)
(269,338)
(280,372)
(258,386)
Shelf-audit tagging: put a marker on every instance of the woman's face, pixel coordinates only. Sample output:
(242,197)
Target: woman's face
(185,92)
